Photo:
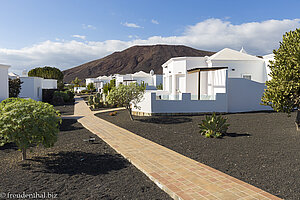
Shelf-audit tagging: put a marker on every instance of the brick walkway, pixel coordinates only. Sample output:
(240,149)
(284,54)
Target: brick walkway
(179,176)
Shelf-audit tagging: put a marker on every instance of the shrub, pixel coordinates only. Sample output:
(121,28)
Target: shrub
(47,95)
(95,101)
(14,87)
(213,126)
(159,87)
(66,96)
(27,122)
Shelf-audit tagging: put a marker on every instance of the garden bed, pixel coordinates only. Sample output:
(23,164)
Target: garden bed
(67,109)
(262,148)
(74,169)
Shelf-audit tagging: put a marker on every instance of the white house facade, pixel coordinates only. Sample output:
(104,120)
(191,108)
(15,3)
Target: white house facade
(4,87)
(140,77)
(32,87)
(99,82)
(228,81)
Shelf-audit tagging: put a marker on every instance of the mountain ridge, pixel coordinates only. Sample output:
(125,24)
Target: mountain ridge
(131,60)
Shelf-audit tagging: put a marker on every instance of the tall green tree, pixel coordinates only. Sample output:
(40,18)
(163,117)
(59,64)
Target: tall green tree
(48,73)
(127,96)
(14,87)
(283,90)
(27,122)
(109,86)
(91,87)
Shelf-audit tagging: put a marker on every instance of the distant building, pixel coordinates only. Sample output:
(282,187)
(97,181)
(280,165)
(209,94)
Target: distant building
(150,79)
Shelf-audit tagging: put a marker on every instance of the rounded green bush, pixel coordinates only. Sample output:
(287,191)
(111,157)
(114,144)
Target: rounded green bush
(27,122)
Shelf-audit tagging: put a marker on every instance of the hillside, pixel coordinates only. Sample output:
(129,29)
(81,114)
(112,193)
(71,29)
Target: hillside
(133,59)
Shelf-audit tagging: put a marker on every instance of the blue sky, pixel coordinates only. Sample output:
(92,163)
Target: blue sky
(66,33)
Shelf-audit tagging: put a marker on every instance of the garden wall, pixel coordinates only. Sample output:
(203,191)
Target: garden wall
(245,95)
(151,105)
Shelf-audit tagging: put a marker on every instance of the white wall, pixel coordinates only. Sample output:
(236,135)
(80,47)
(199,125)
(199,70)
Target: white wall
(31,88)
(157,79)
(245,95)
(195,62)
(192,84)
(49,84)
(186,105)
(4,88)
(255,68)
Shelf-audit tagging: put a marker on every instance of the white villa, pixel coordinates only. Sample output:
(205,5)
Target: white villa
(4,88)
(140,77)
(228,81)
(149,79)
(99,82)
(32,87)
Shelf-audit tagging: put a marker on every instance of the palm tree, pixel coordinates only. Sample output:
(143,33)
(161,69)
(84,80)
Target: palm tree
(76,82)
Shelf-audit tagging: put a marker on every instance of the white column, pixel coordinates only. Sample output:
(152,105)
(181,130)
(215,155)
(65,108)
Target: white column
(173,86)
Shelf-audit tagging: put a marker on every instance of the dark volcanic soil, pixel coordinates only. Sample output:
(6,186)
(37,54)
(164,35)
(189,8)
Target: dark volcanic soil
(67,109)
(262,149)
(75,169)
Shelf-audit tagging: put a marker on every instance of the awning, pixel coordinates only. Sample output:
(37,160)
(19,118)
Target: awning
(198,69)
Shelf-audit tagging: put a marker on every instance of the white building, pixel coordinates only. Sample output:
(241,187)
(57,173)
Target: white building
(32,87)
(4,87)
(99,82)
(149,79)
(140,77)
(228,81)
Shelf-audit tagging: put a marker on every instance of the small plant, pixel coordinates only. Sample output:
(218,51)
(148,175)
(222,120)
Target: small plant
(159,87)
(95,101)
(214,126)
(113,113)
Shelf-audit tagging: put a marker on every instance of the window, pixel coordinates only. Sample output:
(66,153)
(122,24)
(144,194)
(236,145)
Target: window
(38,92)
(247,76)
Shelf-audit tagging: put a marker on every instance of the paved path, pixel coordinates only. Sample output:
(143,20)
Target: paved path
(179,176)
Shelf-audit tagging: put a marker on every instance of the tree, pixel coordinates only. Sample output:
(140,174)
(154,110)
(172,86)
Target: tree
(91,87)
(14,87)
(27,122)
(109,86)
(76,82)
(126,95)
(283,90)
(48,73)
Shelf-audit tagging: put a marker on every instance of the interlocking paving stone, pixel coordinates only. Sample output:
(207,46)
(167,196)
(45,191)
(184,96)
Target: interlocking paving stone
(179,176)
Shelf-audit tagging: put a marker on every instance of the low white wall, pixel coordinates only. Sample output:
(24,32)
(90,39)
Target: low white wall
(186,105)
(245,95)
(4,94)
(145,104)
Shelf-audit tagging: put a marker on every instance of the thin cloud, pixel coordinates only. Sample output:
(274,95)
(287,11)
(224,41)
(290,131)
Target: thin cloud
(133,36)
(88,26)
(258,38)
(153,21)
(131,25)
(79,36)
